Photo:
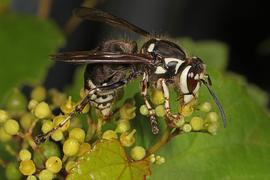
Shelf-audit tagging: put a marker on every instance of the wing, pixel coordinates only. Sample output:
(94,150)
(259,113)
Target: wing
(88,57)
(98,15)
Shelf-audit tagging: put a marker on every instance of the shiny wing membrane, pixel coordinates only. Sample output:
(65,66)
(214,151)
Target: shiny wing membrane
(98,15)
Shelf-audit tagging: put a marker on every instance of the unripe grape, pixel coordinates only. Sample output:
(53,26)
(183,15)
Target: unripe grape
(32,104)
(128,139)
(71,147)
(160,111)
(12,172)
(24,154)
(11,127)
(186,110)
(31,177)
(127,111)
(68,106)
(58,119)
(152,158)
(47,126)
(122,126)
(77,133)
(160,160)
(196,123)
(4,136)
(84,148)
(16,101)
(187,128)
(42,110)
(38,93)
(157,97)
(3,116)
(70,164)
(180,122)
(109,135)
(27,167)
(57,97)
(213,128)
(143,110)
(45,175)
(26,120)
(205,107)
(137,153)
(212,117)
(54,164)
(57,135)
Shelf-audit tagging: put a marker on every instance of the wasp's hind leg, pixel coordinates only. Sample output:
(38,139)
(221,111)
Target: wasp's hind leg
(153,121)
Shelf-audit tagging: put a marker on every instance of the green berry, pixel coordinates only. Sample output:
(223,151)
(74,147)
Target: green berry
(57,97)
(212,117)
(54,164)
(157,97)
(47,126)
(77,133)
(24,154)
(84,148)
(128,139)
(180,122)
(213,128)
(152,158)
(27,167)
(109,134)
(187,128)
(70,165)
(186,110)
(12,172)
(122,126)
(137,153)
(196,123)
(11,127)
(58,119)
(143,110)
(32,104)
(16,101)
(71,147)
(160,111)
(205,107)
(127,111)
(31,177)
(160,160)
(45,175)
(42,110)
(57,135)
(3,116)
(38,93)
(4,136)
(26,120)
(68,106)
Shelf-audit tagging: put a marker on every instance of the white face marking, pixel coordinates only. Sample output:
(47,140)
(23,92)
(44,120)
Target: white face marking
(183,80)
(196,77)
(91,84)
(106,112)
(201,76)
(106,99)
(151,47)
(179,62)
(160,70)
(93,97)
(188,98)
(191,74)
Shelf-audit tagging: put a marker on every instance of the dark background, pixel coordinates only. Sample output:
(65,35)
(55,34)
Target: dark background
(242,25)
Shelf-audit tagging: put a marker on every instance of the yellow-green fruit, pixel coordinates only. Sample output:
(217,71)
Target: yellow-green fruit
(70,164)
(187,128)
(42,110)
(71,147)
(38,93)
(31,177)
(122,126)
(212,117)
(160,111)
(27,120)
(143,110)
(77,133)
(127,139)
(54,164)
(11,127)
(3,116)
(205,107)
(58,119)
(57,135)
(186,110)
(27,167)
(84,148)
(68,106)
(32,104)
(47,126)
(157,97)
(109,134)
(57,97)
(160,160)
(45,175)
(137,153)
(128,111)
(4,136)
(213,128)
(196,123)
(24,154)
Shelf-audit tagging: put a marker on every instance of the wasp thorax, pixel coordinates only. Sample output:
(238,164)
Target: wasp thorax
(190,78)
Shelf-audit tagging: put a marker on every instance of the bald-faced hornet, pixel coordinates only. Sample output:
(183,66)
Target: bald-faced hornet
(116,62)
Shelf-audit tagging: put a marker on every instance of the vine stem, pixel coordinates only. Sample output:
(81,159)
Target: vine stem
(163,140)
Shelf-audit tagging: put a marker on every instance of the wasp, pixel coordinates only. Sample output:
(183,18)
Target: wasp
(159,63)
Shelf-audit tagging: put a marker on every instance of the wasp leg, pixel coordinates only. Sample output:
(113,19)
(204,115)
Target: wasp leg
(173,118)
(144,87)
(42,137)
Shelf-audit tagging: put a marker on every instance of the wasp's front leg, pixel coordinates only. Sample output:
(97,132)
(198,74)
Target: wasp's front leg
(173,118)
(144,88)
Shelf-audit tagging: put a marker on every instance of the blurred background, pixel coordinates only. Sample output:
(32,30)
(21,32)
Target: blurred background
(242,25)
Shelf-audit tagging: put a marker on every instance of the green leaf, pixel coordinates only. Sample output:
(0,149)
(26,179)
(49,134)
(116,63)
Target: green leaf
(108,160)
(26,43)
